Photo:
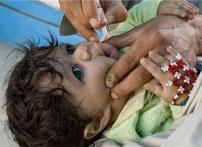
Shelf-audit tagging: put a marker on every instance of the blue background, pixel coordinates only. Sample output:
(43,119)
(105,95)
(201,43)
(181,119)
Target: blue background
(26,19)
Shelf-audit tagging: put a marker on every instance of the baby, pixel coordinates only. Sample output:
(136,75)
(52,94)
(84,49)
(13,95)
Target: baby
(56,91)
(56,96)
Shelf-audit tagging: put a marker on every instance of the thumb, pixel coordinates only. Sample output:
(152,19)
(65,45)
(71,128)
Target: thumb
(119,41)
(123,66)
(125,39)
(116,13)
(135,80)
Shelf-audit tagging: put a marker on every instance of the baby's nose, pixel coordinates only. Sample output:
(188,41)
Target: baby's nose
(88,50)
(82,53)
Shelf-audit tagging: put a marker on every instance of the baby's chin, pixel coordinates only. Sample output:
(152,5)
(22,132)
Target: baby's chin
(109,51)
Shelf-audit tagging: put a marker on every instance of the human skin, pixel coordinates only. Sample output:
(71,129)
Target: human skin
(84,15)
(159,85)
(124,77)
(84,68)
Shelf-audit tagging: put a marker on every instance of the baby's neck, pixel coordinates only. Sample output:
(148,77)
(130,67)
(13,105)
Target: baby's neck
(116,108)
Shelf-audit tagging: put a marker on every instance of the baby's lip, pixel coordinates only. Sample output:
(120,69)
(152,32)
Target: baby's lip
(110,51)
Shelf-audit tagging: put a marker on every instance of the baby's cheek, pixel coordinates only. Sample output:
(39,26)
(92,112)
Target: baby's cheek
(88,107)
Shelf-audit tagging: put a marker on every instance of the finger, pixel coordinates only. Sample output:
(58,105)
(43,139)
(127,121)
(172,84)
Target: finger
(119,41)
(171,50)
(125,64)
(190,16)
(189,56)
(90,9)
(98,20)
(136,79)
(174,11)
(152,68)
(70,7)
(155,87)
(130,59)
(170,57)
(188,7)
(74,12)
(125,39)
(116,13)
(121,68)
(157,59)
(88,33)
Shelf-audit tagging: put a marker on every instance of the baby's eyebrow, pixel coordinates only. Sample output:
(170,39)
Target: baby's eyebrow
(64,45)
(68,45)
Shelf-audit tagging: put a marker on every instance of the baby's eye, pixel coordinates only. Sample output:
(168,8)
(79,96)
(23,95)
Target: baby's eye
(70,49)
(78,73)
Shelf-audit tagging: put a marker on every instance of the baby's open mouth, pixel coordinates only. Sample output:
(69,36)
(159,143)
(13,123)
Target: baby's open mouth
(109,51)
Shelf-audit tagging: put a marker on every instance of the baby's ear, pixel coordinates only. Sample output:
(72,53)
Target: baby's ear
(98,124)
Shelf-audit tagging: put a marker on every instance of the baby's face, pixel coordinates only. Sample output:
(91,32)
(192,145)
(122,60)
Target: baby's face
(84,70)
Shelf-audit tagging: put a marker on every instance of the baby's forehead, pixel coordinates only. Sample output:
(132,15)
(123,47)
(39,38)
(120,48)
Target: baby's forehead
(57,49)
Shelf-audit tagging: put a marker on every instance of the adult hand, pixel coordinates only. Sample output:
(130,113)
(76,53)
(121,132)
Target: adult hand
(168,85)
(84,15)
(181,8)
(155,34)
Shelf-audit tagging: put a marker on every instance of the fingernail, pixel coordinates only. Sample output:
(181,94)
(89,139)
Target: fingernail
(184,14)
(109,81)
(169,47)
(142,60)
(190,17)
(114,96)
(93,39)
(93,22)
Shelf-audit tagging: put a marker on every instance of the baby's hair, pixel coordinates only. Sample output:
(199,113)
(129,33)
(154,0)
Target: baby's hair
(41,118)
